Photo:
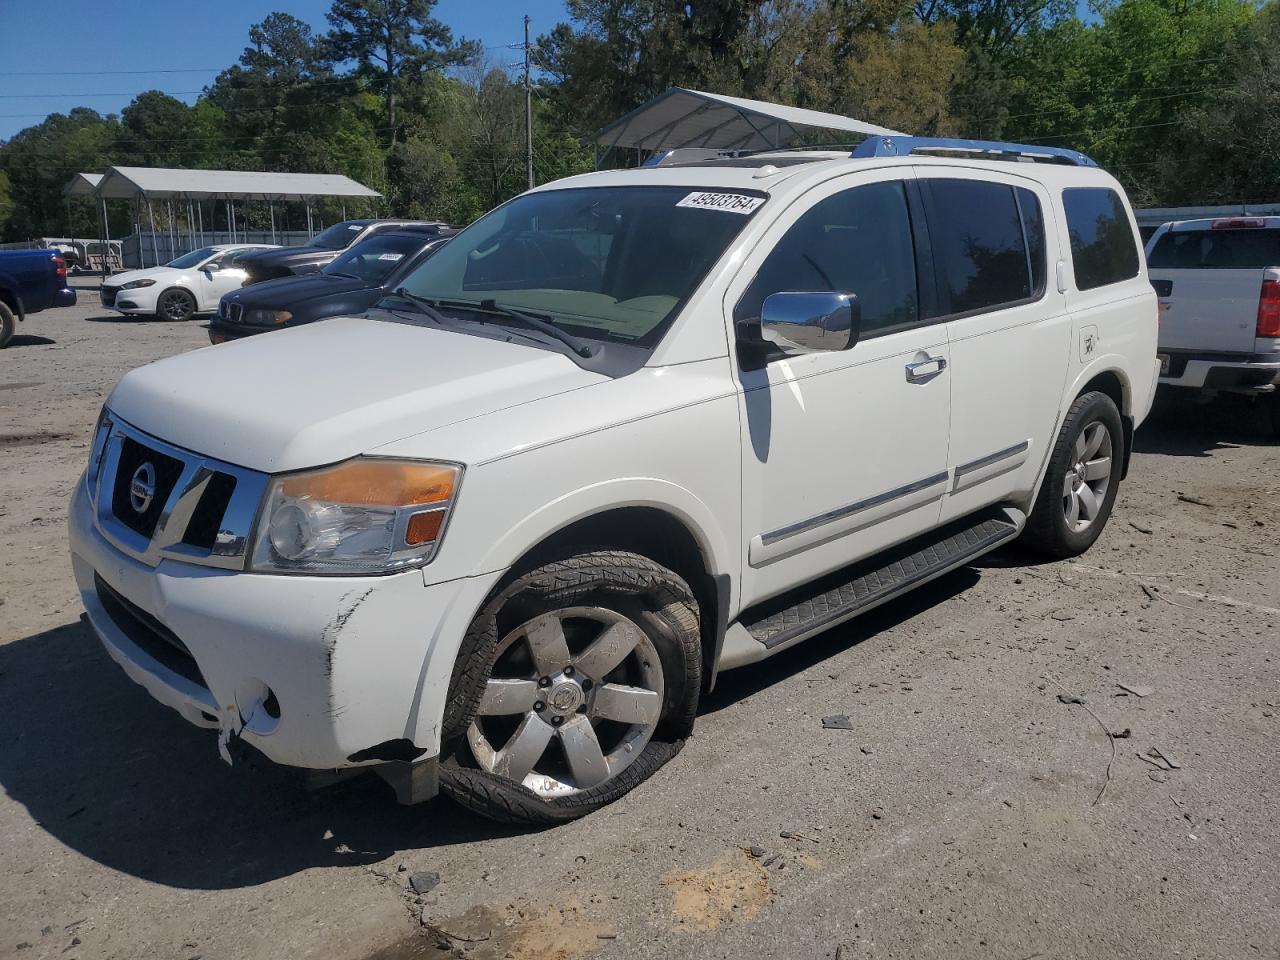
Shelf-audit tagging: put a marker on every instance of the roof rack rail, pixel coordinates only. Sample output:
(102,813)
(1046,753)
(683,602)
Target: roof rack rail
(983,149)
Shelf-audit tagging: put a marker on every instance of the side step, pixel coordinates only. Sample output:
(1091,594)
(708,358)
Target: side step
(845,593)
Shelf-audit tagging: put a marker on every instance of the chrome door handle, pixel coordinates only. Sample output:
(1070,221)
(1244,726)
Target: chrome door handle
(922,371)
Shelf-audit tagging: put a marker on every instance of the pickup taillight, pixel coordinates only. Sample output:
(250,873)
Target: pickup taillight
(59,266)
(1269,309)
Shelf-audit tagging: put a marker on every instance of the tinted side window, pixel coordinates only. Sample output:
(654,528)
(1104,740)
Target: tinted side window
(978,245)
(1102,246)
(858,241)
(1033,230)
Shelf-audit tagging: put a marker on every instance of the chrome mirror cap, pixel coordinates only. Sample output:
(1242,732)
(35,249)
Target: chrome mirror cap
(798,322)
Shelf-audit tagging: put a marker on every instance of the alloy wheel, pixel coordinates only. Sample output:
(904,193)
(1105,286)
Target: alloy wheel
(1084,487)
(573,699)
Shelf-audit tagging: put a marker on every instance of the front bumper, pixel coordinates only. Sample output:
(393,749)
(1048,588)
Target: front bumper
(66,297)
(136,300)
(314,672)
(1246,375)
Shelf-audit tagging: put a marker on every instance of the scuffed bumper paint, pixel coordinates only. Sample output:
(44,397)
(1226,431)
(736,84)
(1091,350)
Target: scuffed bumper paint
(352,661)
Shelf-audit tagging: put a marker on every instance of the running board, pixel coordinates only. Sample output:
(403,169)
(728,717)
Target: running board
(806,610)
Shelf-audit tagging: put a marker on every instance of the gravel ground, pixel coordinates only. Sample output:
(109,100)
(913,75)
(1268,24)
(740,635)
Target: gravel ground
(960,817)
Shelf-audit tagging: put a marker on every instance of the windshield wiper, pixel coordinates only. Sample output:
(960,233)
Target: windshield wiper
(423,306)
(550,329)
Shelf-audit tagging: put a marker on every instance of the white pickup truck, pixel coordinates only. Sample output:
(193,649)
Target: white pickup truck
(628,429)
(1219,287)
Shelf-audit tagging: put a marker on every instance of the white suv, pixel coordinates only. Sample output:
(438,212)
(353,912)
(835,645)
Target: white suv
(625,431)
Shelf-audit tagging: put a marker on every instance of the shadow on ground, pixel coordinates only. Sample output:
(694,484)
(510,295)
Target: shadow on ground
(1182,424)
(29,340)
(126,782)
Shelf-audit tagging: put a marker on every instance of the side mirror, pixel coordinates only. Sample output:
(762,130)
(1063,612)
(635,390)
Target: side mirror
(799,323)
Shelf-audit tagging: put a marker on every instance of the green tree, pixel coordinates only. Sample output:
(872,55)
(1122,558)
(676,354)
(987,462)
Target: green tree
(390,40)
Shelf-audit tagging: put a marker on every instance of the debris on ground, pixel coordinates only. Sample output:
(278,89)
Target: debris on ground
(1187,498)
(865,749)
(423,881)
(1140,528)
(1156,762)
(1137,689)
(838,721)
(793,835)
(756,852)
(1157,752)
(1124,734)
(1070,698)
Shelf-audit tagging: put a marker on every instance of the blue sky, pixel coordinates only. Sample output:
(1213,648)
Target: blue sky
(42,43)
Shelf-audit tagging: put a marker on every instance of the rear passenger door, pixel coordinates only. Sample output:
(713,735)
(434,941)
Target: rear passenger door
(844,453)
(1008,327)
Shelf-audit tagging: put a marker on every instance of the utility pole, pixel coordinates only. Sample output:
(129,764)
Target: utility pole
(528,106)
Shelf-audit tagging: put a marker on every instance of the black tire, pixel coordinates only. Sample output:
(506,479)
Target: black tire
(653,598)
(8,325)
(1048,530)
(176,305)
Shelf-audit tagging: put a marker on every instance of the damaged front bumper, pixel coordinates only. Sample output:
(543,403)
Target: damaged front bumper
(321,673)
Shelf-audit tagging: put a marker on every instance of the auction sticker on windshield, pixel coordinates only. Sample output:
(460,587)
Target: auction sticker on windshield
(732,202)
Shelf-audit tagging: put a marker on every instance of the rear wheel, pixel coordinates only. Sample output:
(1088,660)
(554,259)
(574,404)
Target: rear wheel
(1080,486)
(175,304)
(8,325)
(573,686)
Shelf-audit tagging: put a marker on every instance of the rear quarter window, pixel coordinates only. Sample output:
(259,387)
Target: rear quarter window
(1216,250)
(1103,250)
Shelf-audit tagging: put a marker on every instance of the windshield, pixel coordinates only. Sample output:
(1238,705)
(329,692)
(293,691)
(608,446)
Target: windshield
(1216,249)
(610,263)
(375,258)
(192,258)
(337,237)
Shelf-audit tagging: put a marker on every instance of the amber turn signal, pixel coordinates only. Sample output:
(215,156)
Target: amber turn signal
(382,483)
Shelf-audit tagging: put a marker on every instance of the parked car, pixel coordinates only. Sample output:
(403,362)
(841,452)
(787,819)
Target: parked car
(1219,288)
(323,248)
(361,276)
(623,432)
(30,281)
(182,288)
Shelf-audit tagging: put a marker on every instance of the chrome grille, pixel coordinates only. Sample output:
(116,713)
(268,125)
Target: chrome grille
(155,501)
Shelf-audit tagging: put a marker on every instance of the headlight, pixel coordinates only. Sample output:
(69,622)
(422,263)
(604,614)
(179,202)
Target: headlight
(363,516)
(98,448)
(134,284)
(264,318)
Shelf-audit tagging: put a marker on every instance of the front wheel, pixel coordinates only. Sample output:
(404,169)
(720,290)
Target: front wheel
(7,326)
(176,304)
(1080,486)
(573,686)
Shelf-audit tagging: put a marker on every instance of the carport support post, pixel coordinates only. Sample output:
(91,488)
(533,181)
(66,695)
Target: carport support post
(106,235)
(173,233)
(271,206)
(151,217)
(200,220)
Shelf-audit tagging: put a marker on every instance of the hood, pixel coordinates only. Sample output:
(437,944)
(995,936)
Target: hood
(283,293)
(120,279)
(287,256)
(328,391)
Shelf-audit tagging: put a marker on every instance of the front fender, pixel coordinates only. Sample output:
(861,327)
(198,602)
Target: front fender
(671,498)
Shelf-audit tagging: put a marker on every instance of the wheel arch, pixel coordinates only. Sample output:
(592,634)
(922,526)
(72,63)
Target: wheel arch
(657,530)
(1112,382)
(195,300)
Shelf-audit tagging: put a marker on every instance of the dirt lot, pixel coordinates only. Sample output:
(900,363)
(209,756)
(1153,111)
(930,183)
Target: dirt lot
(959,818)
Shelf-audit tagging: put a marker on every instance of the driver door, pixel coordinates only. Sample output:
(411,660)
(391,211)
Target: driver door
(844,453)
(220,276)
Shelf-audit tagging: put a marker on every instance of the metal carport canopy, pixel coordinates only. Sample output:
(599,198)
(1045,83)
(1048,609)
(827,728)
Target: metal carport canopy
(82,185)
(159,183)
(692,118)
